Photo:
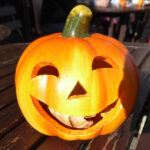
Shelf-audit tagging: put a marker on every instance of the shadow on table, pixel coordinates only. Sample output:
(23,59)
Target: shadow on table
(142,104)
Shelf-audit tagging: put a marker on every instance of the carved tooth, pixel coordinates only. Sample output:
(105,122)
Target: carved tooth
(62,118)
(80,122)
(86,124)
(72,121)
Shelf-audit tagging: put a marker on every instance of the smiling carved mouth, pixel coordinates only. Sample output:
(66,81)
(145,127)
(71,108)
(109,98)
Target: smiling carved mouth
(77,122)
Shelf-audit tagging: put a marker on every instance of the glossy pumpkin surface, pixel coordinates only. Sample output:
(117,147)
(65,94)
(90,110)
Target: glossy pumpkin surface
(92,77)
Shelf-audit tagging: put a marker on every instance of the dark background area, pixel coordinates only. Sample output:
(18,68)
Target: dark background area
(52,17)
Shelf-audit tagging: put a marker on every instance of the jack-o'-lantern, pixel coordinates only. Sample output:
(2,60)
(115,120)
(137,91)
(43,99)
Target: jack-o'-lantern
(75,85)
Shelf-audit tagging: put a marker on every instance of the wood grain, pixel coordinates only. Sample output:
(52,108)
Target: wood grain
(7,81)
(7,96)
(21,138)
(144,143)
(9,118)
(7,70)
(55,143)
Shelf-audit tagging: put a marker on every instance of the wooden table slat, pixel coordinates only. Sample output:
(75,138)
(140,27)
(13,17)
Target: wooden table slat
(7,97)
(144,89)
(9,55)
(5,49)
(136,46)
(145,67)
(55,143)
(118,140)
(140,55)
(144,143)
(9,118)
(7,81)
(22,137)
(10,61)
(7,70)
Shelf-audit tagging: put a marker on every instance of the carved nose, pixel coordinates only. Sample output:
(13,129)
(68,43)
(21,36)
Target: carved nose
(78,90)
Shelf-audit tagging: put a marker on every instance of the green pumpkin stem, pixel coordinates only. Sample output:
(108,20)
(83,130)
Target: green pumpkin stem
(78,22)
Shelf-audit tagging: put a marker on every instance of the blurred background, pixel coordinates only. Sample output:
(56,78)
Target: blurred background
(26,20)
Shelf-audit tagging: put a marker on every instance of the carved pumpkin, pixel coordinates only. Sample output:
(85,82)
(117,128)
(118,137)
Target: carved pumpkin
(75,85)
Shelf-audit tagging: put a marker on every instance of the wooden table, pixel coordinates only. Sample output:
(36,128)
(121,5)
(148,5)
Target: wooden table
(123,15)
(17,134)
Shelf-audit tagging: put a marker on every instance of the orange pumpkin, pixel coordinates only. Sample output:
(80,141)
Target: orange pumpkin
(75,85)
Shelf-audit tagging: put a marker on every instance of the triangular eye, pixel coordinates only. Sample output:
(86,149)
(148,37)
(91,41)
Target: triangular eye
(45,69)
(102,62)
